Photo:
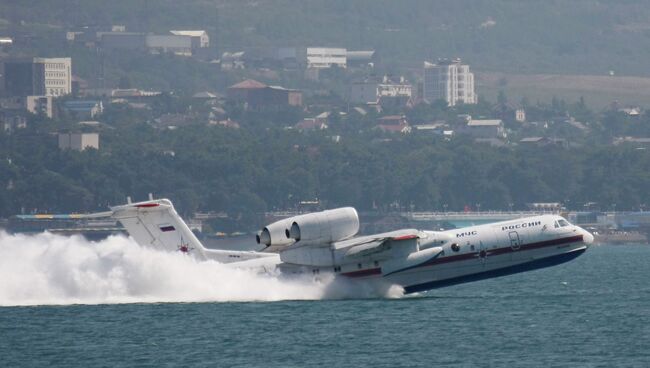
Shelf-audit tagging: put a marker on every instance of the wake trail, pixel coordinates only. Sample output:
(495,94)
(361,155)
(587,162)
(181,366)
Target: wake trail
(48,269)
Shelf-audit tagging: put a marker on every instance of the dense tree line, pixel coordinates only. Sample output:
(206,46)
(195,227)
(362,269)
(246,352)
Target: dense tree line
(264,168)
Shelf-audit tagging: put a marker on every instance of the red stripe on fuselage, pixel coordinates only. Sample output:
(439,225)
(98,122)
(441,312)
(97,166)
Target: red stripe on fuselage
(363,273)
(405,237)
(147,205)
(474,255)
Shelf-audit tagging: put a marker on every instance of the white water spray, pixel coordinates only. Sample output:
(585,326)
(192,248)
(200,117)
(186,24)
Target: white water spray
(52,269)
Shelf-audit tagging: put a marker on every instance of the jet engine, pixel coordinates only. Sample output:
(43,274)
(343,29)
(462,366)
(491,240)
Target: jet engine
(318,227)
(275,233)
(324,227)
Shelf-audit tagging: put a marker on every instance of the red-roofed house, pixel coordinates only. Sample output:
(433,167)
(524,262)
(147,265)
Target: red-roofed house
(248,84)
(394,124)
(257,95)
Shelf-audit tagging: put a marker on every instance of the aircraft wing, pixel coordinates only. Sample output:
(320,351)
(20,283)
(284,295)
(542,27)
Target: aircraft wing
(372,244)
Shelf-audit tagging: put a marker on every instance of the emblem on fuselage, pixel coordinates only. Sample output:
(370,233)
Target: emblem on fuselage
(184,247)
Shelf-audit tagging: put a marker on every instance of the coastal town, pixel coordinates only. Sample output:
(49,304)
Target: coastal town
(333,92)
(324,86)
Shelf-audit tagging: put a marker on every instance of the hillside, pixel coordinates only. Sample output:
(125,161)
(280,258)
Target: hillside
(560,36)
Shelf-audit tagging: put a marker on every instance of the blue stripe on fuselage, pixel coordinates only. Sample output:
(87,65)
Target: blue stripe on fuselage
(528,266)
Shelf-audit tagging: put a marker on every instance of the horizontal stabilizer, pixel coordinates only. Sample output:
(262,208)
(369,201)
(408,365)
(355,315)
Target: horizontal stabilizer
(70,216)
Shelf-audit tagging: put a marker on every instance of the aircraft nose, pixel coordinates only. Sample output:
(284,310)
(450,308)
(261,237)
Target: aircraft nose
(587,237)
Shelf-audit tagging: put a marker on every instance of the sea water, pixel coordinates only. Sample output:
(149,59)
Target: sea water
(70,303)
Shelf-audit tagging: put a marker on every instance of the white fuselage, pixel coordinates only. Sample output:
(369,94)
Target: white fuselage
(476,253)
(325,242)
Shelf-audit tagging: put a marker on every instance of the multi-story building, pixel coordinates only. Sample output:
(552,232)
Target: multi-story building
(388,88)
(326,57)
(372,91)
(57,73)
(520,115)
(37,77)
(200,38)
(78,141)
(40,105)
(449,80)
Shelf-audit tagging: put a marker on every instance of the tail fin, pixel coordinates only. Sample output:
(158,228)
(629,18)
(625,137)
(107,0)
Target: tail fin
(155,223)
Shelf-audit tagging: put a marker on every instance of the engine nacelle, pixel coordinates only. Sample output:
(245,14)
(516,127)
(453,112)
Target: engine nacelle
(275,233)
(434,239)
(325,227)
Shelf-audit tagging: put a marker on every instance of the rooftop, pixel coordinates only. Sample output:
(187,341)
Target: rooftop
(489,122)
(196,33)
(81,104)
(248,84)
(360,55)
(205,94)
(392,117)
(280,88)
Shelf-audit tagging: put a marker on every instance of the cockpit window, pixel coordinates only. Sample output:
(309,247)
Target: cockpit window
(563,223)
(556,225)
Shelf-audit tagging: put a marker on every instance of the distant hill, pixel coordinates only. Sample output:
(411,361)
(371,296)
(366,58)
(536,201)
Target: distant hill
(555,36)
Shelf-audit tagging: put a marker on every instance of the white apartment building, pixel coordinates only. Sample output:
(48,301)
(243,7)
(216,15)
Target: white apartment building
(372,91)
(326,57)
(449,80)
(391,89)
(57,75)
(520,115)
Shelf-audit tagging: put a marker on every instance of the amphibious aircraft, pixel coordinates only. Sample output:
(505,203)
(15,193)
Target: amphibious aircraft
(327,241)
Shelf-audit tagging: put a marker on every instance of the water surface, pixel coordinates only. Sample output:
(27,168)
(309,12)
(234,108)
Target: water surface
(591,312)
